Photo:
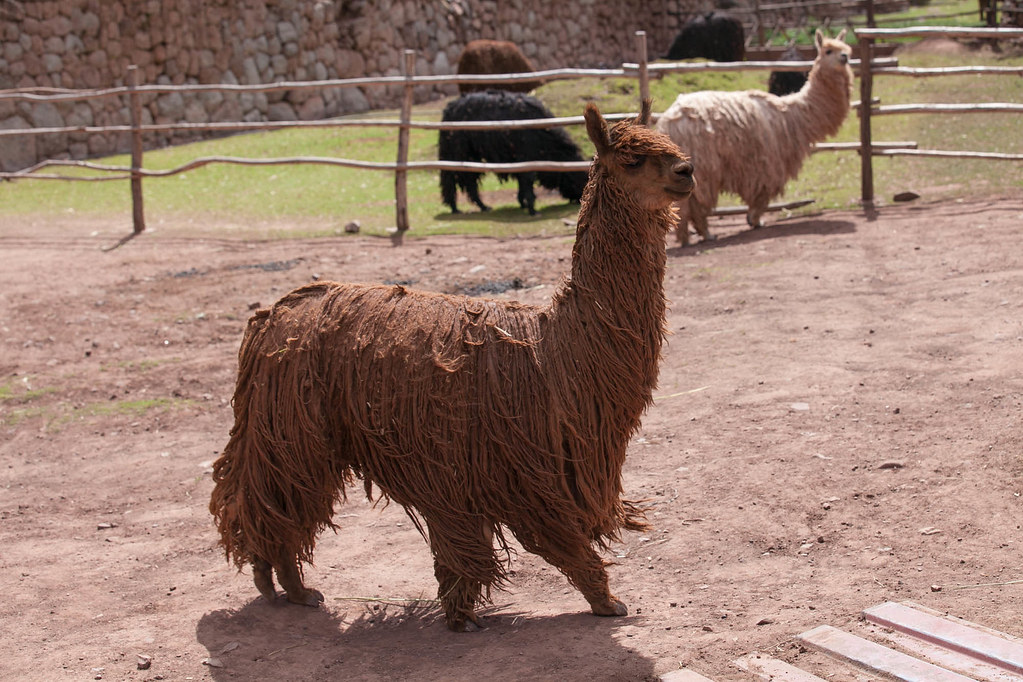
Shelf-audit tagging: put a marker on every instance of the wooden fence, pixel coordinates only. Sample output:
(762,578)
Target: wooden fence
(641,70)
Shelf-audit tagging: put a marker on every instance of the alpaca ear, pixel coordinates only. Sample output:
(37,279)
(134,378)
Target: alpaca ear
(644,114)
(596,128)
(818,39)
(841,35)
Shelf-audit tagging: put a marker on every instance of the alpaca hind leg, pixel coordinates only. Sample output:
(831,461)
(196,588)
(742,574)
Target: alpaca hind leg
(290,578)
(262,576)
(584,569)
(472,188)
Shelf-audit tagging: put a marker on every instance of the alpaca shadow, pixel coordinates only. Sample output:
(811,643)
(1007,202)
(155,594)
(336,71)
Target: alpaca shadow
(778,230)
(389,641)
(510,213)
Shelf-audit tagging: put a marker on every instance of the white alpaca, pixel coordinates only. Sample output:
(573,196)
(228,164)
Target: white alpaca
(751,142)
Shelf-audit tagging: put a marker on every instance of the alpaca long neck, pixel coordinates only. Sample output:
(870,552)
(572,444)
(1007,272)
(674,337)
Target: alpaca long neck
(610,314)
(823,104)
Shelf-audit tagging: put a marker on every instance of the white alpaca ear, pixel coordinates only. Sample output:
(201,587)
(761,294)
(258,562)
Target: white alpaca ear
(841,35)
(818,38)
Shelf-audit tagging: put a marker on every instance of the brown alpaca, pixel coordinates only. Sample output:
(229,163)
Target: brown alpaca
(494,56)
(479,417)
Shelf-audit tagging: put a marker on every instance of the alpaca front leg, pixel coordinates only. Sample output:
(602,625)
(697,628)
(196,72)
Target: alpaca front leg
(290,578)
(757,207)
(449,190)
(702,226)
(463,563)
(527,198)
(459,596)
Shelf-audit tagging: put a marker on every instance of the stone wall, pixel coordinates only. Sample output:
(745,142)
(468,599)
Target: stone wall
(91,43)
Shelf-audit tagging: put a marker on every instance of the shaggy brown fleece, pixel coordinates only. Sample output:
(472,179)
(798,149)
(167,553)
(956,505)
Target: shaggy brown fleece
(477,416)
(751,142)
(494,56)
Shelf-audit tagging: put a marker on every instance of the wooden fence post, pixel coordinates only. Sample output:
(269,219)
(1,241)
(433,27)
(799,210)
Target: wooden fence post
(135,106)
(644,77)
(401,174)
(866,144)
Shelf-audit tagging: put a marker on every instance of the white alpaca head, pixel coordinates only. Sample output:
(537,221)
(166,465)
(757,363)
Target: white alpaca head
(832,55)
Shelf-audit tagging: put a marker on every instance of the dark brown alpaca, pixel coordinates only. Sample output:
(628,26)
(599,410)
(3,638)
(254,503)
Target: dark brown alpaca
(479,417)
(494,56)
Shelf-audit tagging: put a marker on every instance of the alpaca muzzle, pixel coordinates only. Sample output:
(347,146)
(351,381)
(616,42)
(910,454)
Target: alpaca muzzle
(684,183)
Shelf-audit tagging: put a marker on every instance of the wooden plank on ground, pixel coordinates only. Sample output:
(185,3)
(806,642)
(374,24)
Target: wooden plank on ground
(958,635)
(867,654)
(767,668)
(684,675)
(946,658)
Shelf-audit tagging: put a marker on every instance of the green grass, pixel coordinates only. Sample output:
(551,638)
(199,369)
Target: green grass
(947,13)
(57,416)
(9,395)
(262,201)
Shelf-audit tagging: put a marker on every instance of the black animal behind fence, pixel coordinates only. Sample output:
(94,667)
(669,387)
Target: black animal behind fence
(786,82)
(506,146)
(714,35)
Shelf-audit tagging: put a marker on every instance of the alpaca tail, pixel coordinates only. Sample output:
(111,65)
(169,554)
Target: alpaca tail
(277,481)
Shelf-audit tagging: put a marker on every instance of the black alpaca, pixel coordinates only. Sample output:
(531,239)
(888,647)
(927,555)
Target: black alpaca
(786,82)
(506,146)
(715,36)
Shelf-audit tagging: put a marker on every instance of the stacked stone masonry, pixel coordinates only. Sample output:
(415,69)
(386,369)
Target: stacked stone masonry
(89,44)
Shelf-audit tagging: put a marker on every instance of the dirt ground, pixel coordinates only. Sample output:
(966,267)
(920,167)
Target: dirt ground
(838,423)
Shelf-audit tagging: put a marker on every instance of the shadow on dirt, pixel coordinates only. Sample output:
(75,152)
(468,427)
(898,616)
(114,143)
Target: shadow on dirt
(818,226)
(511,214)
(389,641)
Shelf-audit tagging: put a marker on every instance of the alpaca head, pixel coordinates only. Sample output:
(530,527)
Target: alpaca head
(643,164)
(832,57)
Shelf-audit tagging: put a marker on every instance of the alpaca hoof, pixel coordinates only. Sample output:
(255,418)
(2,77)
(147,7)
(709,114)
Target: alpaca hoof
(468,625)
(309,598)
(612,608)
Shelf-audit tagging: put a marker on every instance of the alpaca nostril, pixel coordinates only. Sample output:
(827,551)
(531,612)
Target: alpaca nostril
(683,168)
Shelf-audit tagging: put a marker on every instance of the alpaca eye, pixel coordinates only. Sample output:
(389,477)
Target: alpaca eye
(635,163)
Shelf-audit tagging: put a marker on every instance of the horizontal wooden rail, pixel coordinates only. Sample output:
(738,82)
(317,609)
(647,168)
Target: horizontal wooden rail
(61,94)
(856,146)
(949,154)
(672,67)
(943,31)
(949,71)
(240,126)
(520,167)
(317,160)
(974,108)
